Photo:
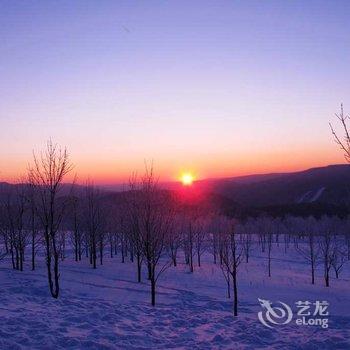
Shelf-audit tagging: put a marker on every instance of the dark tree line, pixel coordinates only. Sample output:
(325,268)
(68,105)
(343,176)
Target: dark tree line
(151,227)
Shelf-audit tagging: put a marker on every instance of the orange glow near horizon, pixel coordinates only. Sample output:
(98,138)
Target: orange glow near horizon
(108,169)
(187,179)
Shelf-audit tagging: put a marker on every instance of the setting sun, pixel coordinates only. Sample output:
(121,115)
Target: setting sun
(187,179)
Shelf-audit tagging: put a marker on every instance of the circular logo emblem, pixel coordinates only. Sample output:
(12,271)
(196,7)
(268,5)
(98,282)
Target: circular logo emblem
(274,315)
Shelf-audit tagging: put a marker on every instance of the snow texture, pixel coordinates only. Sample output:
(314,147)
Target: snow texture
(107,309)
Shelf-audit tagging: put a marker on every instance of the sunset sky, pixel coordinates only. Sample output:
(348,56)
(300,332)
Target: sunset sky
(216,88)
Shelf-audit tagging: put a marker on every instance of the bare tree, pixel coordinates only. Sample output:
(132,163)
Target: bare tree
(231,258)
(174,239)
(3,226)
(16,206)
(200,236)
(46,176)
(111,236)
(2,255)
(93,220)
(221,231)
(246,235)
(188,241)
(265,228)
(310,250)
(344,140)
(3,234)
(327,228)
(156,217)
(261,235)
(76,221)
(36,238)
(225,268)
(123,238)
(62,243)
(346,234)
(194,235)
(214,236)
(339,255)
(2,252)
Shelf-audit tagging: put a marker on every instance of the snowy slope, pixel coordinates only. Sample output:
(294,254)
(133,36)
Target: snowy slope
(311,196)
(107,309)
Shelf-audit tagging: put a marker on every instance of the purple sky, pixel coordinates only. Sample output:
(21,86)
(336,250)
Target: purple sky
(214,87)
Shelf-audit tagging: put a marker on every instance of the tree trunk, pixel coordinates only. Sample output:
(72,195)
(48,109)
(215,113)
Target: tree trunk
(76,247)
(101,253)
(228,286)
(191,262)
(56,275)
(21,257)
(53,284)
(7,245)
(139,267)
(131,254)
(149,271)
(235,295)
(12,257)
(327,280)
(94,255)
(153,291)
(123,254)
(326,276)
(33,250)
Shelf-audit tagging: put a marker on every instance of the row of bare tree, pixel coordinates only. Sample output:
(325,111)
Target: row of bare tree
(148,225)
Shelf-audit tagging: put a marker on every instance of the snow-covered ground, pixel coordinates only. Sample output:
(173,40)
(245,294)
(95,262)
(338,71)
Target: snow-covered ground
(107,309)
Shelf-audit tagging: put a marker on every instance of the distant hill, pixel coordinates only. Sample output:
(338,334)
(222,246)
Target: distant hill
(317,191)
(329,185)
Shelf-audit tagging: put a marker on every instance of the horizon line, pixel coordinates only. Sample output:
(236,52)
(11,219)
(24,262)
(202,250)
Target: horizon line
(101,184)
